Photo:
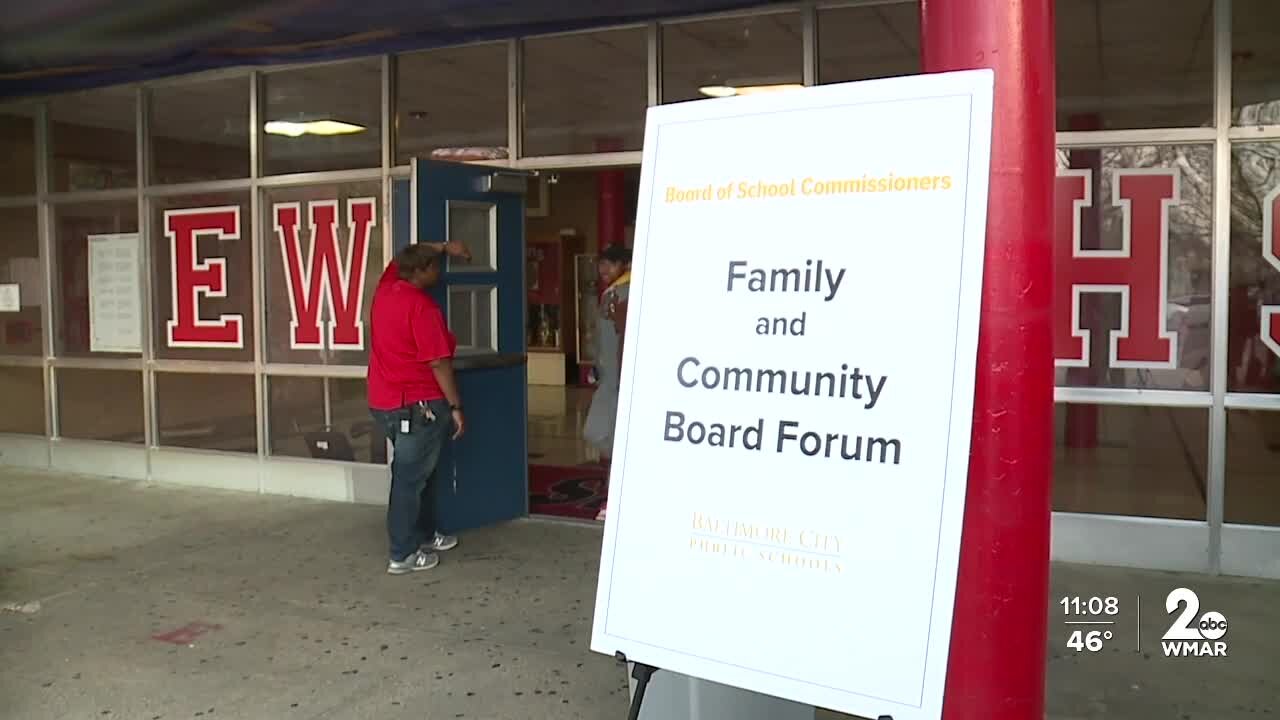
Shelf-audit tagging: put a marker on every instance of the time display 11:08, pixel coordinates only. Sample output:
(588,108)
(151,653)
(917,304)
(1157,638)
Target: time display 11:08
(1090,606)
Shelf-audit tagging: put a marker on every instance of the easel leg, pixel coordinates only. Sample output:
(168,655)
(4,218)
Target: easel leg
(642,674)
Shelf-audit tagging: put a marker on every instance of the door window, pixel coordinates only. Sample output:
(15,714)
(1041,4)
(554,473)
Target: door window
(475,225)
(473,317)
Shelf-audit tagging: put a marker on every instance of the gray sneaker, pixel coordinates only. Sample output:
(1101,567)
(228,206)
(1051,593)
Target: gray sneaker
(440,543)
(416,562)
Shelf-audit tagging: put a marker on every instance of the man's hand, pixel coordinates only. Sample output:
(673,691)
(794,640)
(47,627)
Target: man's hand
(457,249)
(459,424)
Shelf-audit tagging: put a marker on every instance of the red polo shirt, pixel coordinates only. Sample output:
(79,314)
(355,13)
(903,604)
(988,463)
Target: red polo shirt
(407,331)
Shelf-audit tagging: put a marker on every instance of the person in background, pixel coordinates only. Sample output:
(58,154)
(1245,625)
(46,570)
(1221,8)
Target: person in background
(614,267)
(413,397)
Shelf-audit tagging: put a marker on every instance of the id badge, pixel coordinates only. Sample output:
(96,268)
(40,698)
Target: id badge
(405,426)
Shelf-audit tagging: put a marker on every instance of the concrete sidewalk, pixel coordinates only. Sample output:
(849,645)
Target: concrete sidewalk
(158,603)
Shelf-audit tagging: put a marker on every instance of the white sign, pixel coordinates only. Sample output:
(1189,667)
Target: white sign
(10,297)
(115,293)
(793,424)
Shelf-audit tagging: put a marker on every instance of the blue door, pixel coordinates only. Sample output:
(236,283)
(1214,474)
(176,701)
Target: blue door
(484,475)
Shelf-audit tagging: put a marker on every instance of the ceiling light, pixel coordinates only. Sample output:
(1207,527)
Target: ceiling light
(719,91)
(311,127)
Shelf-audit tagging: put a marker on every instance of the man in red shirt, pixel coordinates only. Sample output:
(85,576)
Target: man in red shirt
(414,398)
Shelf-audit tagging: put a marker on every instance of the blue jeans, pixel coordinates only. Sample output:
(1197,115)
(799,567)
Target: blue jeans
(411,508)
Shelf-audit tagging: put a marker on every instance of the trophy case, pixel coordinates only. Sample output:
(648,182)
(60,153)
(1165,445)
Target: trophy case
(550,326)
(543,331)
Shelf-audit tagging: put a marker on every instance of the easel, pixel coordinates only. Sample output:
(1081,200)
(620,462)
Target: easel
(642,674)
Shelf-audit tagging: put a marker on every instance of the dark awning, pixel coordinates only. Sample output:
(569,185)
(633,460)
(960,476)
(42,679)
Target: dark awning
(51,46)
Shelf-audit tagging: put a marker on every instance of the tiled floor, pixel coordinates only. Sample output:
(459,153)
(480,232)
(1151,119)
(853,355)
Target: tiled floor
(556,417)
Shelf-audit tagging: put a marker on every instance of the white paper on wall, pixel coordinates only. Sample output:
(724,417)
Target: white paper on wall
(10,298)
(115,293)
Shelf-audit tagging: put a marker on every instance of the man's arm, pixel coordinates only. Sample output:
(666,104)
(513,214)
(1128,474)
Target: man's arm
(435,347)
(443,370)
(450,247)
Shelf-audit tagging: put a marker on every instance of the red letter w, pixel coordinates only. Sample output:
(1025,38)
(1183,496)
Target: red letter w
(343,282)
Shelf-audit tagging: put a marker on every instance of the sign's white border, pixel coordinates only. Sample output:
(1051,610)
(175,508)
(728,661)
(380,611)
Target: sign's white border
(977,85)
(119,340)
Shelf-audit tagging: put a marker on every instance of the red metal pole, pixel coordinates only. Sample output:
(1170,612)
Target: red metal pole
(997,666)
(610,203)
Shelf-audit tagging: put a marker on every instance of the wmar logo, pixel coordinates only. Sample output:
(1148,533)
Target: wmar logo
(1189,637)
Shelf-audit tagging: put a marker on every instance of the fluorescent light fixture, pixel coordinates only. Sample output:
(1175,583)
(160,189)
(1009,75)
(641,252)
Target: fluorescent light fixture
(719,91)
(311,127)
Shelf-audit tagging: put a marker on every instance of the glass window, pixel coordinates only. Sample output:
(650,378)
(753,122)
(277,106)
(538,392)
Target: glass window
(1141,461)
(21,331)
(323,117)
(714,58)
(97,263)
(585,93)
(1252,485)
(860,43)
(1253,341)
(325,419)
(1137,198)
(1255,62)
(452,103)
(202,265)
(23,391)
(471,317)
(100,405)
(476,226)
(318,317)
(200,131)
(17,150)
(94,140)
(207,412)
(1118,69)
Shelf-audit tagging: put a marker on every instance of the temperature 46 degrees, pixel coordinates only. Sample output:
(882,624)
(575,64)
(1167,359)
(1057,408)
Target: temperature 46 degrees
(1090,640)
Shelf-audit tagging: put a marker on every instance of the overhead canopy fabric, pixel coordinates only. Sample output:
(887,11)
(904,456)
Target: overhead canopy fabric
(49,46)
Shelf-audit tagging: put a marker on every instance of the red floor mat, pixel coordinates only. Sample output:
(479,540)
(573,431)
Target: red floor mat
(575,492)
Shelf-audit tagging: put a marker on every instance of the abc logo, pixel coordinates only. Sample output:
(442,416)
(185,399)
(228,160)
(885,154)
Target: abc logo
(1212,625)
